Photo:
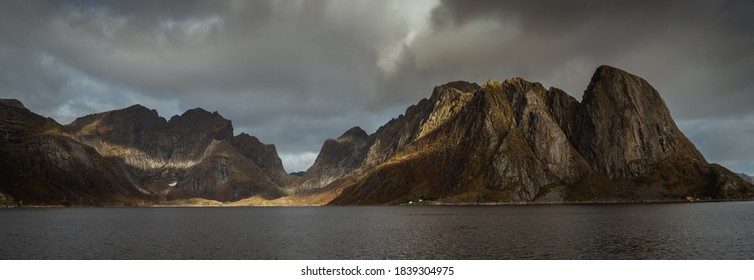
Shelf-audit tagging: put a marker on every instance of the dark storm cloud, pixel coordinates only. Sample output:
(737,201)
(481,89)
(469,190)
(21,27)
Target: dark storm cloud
(689,49)
(296,72)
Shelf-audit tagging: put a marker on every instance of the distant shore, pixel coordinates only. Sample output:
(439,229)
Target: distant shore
(212,203)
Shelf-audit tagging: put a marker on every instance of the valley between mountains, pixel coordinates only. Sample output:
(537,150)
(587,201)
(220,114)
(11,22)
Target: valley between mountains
(499,142)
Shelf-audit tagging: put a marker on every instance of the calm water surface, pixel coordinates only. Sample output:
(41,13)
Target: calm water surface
(628,231)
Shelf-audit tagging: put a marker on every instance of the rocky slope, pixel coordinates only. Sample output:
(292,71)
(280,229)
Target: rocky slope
(265,156)
(502,142)
(132,155)
(746,178)
(516,141)
(191,155)
(337,158)
(41,163)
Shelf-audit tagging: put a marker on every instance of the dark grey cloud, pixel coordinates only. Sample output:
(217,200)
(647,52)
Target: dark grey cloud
(296,72)
(688,49)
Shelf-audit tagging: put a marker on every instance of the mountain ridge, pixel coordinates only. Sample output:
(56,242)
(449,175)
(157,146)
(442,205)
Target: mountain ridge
(513,141)
(192,155)
(536,145)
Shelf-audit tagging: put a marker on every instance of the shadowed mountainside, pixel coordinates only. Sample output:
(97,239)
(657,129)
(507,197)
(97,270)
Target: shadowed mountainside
(41,163)
(194,155)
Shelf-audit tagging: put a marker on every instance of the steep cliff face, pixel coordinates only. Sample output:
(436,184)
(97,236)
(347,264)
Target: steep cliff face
(518,142)
(40,163)
(465,147)
(624,130)
(623,124)
(265,156)
(195,130)
(545,126)
(224,174)
(137,135)
(337,158)
(419,120)
(191,155)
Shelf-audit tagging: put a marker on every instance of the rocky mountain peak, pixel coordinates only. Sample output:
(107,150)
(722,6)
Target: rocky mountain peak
(130,116)
(463,86)
(519,84)
(336,158)
(265,156)
(245,137)
(12,103)
(623,121)
(197,114)
(353,133)
(134,126)
(207,123)
(136,108)
(446,94)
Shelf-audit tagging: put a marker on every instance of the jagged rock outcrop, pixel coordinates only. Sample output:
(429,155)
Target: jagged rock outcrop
(133,154)
(544,117)
(337,158)
(224,174)
(41,163)
(419,120)
(519,142)
(623,125)
(12,103)
(265,156)
(191,155)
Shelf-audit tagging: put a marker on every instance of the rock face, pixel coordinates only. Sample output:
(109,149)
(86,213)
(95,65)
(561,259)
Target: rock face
(265,156)
(516,141)
(337,158)
(133,154)
(512,141)
(191,155)
(623,125)
(41,163)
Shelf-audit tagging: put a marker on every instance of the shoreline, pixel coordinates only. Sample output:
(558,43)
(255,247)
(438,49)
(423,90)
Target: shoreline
(423,203)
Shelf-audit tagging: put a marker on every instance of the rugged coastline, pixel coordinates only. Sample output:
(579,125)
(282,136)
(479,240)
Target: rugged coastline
(509,142)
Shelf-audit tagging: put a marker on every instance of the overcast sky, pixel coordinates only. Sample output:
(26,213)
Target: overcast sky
(295,73)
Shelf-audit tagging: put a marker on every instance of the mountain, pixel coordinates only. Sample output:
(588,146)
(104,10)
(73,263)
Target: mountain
(746,178)
(337,158)
(265,156)
(189,156)
(513,141)
(41,163)
(518,142)
(133,156)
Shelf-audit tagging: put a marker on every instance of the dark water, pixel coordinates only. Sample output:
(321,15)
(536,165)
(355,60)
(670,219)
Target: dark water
(636,231)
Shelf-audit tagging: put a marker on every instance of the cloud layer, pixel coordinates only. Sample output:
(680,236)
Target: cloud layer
(294,73)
